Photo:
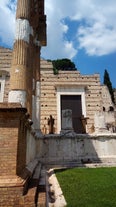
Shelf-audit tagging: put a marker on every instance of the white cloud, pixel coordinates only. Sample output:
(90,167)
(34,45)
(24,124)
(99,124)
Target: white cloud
(97,39)
(96,36)
(7,22)
(95,33)
(57,45)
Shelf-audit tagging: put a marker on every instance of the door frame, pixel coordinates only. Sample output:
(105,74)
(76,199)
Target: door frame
(73,90)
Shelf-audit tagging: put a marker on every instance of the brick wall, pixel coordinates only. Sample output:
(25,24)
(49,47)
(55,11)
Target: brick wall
(11,197)
(8,144)
(5,59)
(12,143)
(49,83)
(13,128)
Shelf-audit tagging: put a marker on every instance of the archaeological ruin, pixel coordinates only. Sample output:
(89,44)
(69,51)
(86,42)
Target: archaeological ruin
(47,120)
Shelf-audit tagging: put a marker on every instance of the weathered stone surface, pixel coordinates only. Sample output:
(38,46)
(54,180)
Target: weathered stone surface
(99,122)
(70,150)
(66,119)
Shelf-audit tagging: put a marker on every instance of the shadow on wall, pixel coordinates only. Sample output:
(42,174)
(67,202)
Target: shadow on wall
(75,149)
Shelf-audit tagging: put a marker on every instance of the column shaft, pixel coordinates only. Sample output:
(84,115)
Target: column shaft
(23,9)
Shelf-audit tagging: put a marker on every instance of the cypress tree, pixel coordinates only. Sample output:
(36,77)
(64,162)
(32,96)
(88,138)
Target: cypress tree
(108,83)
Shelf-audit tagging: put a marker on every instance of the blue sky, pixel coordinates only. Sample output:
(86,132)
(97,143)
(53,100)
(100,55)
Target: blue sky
(84,31)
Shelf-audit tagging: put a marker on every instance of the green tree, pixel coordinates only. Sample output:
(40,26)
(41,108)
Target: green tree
(62,64)
(108,83)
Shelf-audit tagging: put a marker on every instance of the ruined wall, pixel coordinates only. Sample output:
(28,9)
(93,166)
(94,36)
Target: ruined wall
(50,82)
(96,95)
(109,109)
(106,98)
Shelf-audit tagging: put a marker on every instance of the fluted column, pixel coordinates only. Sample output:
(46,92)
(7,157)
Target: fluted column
(19,65)
(23,9)
(20,70)
(30,35)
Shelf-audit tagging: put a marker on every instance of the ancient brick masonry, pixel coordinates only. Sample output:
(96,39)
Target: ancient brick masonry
(12,152)
(67,80)
(14,120)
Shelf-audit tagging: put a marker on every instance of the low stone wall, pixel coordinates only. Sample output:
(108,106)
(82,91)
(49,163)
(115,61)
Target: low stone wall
(74,149)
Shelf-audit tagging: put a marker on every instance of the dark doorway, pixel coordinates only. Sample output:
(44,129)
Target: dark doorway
(73,102)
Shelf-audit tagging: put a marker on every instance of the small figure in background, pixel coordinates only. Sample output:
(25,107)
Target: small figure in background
(44,130)
(51,125)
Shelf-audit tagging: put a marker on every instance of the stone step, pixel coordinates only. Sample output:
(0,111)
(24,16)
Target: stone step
(37,171)
(42,180)
(36,193)
(42,201)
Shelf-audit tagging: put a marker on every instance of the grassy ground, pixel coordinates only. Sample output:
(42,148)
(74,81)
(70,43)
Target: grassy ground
(88,187)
